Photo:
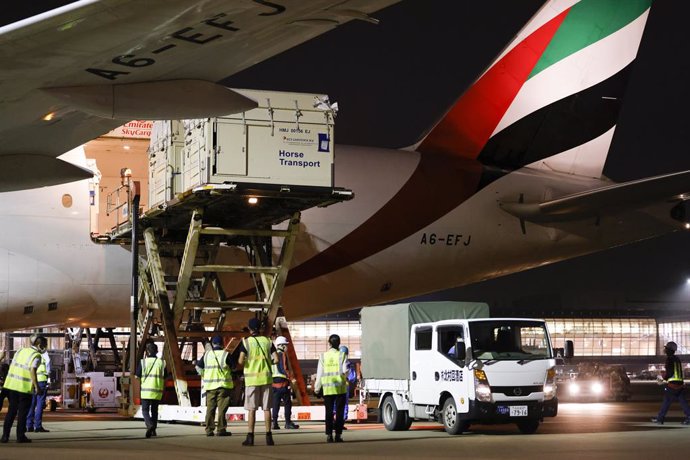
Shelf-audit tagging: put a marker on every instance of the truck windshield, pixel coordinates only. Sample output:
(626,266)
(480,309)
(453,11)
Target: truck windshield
(510,340)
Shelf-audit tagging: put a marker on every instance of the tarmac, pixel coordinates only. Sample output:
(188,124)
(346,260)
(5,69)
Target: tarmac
(607,430)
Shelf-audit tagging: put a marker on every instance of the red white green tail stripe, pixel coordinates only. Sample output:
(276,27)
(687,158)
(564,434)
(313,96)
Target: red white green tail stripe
(569,48)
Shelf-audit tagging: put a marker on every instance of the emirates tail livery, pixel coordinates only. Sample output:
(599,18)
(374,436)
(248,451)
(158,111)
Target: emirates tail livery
(508,179)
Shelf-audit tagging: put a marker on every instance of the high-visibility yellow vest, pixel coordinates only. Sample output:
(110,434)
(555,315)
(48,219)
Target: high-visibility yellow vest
(19,374)
(677,376)
(152,378)
(216,374)
(42,371)
(257,369)
(276,369)
(333,380)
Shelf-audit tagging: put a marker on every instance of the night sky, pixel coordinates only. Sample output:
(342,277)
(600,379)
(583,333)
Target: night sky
(394,80)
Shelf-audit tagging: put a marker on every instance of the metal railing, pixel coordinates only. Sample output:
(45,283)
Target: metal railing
(119,201)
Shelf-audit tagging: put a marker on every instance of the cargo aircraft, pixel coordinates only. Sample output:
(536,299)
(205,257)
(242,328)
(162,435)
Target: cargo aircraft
(509,178)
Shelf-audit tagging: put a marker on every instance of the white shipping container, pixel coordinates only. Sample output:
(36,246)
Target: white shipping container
(165,161)
(286,141)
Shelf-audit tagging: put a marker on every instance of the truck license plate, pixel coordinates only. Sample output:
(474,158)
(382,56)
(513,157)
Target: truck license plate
(518,411)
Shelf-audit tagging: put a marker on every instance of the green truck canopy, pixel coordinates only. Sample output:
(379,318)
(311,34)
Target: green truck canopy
(386,332)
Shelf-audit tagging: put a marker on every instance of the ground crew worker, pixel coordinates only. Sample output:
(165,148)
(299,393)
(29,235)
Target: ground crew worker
(332,383)
(34,421)
(674,389)
(259,354)
(20,383)
(152,375)
(282,376)
(4,368)
(216,367)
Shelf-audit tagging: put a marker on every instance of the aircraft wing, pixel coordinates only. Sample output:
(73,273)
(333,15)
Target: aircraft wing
(76,72)
(604,200)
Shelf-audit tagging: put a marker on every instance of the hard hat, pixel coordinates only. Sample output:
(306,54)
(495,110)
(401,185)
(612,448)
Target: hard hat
(671,346)
(217,340)
(344,349)
(254,324)
(280,340)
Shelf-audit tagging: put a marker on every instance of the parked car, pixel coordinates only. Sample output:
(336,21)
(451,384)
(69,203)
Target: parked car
(646,374)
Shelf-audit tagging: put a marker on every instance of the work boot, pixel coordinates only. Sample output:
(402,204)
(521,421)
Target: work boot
(224,433)
(269,439)
(338,438)
(657,420)
(249,441)
(153,433)
(41,430)
(291,426)
(329,438)
(149,432)
(344,428)
(275,426)
(4,439)
(23,440)
(209,433)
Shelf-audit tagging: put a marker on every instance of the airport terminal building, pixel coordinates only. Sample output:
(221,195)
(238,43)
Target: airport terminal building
(592,337)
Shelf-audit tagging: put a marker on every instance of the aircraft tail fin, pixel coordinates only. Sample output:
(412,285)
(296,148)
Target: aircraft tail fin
(552,98)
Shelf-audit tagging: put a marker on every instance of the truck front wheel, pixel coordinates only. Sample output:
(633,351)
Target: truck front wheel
(407,422)
(393,419)
(451,419)
(528,426)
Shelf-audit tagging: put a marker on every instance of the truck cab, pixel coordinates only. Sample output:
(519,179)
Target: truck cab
(480,371)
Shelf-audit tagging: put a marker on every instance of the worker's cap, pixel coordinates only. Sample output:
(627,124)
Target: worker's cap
(673,346)
(344,349)
(280,340)
(217,340)
(254,324)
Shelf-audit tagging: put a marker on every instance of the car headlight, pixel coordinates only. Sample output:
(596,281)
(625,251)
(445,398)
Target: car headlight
(482,390)
(597,388)
(574,388)
(550,384)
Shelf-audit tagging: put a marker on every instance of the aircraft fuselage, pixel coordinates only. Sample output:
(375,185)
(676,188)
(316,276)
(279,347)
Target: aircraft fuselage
(408,231)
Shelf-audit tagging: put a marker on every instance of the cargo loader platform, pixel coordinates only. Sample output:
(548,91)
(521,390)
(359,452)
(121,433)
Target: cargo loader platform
(236,205)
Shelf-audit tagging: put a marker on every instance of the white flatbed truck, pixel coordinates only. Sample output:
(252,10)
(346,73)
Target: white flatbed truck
(449,362)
